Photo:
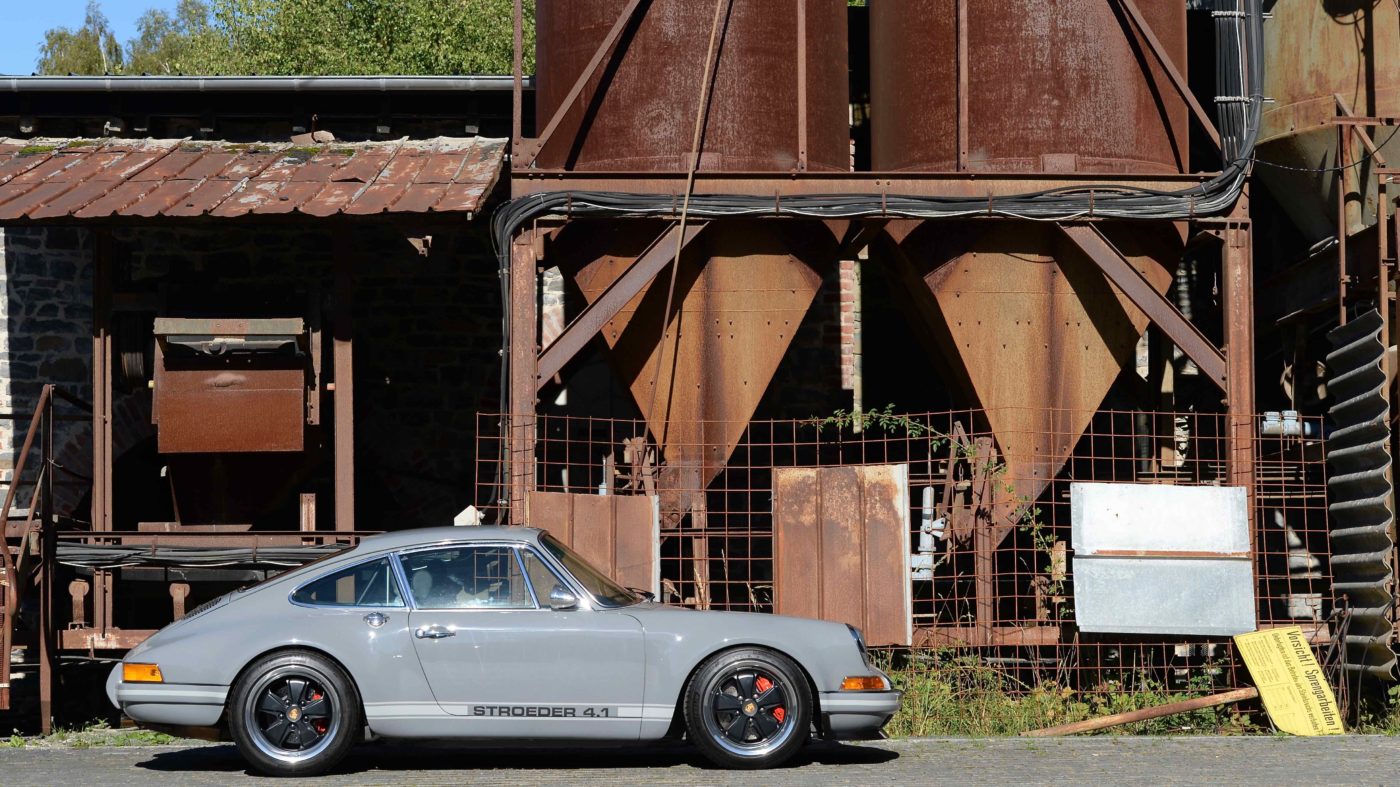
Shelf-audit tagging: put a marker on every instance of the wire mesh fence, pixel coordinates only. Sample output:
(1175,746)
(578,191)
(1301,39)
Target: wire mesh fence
(990,571)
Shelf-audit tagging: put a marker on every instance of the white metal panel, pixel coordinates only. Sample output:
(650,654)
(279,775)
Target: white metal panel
(1156,517)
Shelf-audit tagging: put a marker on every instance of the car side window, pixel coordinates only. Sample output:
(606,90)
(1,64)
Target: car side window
(541,576)
(467,577)
(368,584)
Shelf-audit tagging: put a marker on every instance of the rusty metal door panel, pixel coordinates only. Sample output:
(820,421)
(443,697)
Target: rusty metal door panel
(841,547)
(618,534)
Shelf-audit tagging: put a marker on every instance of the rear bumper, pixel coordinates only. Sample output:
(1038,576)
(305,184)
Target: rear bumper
(169,704)
(851,715)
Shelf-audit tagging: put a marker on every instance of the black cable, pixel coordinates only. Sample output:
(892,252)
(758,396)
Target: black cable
(1369,155)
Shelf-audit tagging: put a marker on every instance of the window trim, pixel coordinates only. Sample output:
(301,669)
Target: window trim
(393,574)
(513,546)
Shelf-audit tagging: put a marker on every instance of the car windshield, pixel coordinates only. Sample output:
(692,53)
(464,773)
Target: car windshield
(607,592)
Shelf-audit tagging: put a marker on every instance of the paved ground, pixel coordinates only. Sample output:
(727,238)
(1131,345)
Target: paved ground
(1264,761)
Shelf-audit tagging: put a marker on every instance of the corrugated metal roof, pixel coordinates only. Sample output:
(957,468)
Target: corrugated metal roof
(101,178)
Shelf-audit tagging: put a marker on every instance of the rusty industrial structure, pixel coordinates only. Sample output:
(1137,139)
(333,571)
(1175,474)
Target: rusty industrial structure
(765,306)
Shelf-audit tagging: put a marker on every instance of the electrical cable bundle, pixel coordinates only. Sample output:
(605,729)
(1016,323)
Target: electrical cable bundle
(103,556)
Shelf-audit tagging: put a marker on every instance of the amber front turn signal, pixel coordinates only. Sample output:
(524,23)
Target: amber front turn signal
(863,683)
(141,673)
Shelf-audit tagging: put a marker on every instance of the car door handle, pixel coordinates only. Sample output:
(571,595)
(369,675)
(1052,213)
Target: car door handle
(433,632)
(376,619)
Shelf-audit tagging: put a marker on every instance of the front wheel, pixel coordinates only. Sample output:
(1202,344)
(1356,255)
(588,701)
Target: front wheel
(294,714)
(748,709)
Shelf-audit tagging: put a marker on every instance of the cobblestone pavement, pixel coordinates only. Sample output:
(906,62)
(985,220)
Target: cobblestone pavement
(1238,761)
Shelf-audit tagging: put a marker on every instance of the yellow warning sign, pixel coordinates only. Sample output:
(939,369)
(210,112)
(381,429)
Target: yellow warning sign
(1290,681)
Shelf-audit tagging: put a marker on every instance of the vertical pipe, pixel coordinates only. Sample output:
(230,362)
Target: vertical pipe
(801,85)
(1343,277)
(103,459)
(343,362)
(518,70)
(524,365)
(963,100)
(48,631)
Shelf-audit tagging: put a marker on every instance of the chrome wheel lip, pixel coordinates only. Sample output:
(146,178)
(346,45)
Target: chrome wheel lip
(255,727)
(759,748)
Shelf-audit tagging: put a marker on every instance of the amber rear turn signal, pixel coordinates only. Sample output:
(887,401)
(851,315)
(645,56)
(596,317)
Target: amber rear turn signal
(863,683)
(141,673)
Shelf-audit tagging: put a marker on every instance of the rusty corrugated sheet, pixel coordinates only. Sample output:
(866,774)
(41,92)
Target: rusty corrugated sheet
(1361,493)
(95,178)
(841,548)
(619,534)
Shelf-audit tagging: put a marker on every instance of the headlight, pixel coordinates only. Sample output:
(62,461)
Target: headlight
(141,673)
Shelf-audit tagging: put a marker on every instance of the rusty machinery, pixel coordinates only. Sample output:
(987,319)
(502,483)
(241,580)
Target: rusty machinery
(1030,227)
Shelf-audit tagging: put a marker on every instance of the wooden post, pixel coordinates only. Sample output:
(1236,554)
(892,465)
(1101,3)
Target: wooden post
(1170,709)
(343,362)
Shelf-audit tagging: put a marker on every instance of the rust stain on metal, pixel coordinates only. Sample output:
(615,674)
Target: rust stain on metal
(616,533)
(1026,304)
(56,179)
(641,117)
(1087,74)
(740,296)
(841,539)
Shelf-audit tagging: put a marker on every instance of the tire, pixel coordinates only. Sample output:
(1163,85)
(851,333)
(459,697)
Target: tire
(748,709)
(294,713)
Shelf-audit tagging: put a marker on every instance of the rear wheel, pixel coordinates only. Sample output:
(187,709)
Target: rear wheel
(294,714)
(748,709)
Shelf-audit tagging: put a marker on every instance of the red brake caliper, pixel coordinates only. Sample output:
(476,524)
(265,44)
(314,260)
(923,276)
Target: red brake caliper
(763,684)
(321,725)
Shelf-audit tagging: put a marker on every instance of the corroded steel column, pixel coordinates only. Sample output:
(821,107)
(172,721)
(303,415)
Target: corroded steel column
(1237,266)
(523,363)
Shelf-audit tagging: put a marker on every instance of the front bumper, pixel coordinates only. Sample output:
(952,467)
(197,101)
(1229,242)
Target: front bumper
(170,704)
(848,715)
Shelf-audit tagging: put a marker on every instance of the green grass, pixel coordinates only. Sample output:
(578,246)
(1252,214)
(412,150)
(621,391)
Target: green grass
(946,695)
(95,735)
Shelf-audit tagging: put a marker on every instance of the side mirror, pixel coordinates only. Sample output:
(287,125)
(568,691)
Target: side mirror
(561,599)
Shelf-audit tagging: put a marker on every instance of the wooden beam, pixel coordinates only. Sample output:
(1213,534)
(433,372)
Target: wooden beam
(627,286)
(1130,281)
(1170,709)
(522,364)
(343,364)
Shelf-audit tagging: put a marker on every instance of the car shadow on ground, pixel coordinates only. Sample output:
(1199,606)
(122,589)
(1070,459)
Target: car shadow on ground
(457,756)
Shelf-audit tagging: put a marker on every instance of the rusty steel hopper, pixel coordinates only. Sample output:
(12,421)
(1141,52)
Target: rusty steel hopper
(1327,59)
(1032,328)
(697,374)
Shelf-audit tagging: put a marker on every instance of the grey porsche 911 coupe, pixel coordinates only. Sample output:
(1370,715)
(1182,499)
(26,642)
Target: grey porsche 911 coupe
(492,633)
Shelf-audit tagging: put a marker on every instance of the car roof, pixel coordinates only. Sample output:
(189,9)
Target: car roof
(425,536)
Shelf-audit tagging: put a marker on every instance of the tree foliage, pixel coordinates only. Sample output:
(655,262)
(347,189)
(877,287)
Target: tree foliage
(314,37)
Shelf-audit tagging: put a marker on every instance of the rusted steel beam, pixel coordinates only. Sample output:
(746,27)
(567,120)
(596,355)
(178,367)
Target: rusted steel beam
(95,639)
(1178,81)
(1140,291)
(964,99)
(1344,108)
(1237,276)
(766,184)
(1170,709)
(859,236)
(524,357)
(531,148)
(618,294)
(343,366)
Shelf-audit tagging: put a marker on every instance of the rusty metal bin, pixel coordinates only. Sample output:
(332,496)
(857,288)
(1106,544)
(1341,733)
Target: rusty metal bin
(229,385)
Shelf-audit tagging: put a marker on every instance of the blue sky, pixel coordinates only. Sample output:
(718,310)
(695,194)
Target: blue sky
(23,22)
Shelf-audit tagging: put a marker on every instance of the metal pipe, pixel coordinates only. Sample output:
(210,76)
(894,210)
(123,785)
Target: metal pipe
(261,84)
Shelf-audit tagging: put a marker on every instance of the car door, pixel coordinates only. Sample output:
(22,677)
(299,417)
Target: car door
(494,652)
